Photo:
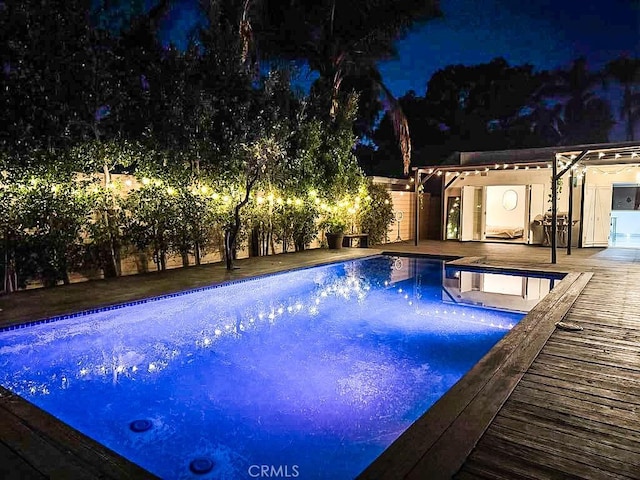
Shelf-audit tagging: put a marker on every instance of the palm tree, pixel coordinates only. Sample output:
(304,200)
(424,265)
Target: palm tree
(339,40)
(626,71)
(587,117)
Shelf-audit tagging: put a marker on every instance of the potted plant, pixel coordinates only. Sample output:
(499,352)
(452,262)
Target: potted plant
(334,228)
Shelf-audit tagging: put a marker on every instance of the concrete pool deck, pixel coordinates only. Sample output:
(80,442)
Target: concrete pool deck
(572,414)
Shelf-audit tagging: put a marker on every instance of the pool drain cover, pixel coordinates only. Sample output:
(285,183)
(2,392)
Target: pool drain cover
(141,425)
(201,465)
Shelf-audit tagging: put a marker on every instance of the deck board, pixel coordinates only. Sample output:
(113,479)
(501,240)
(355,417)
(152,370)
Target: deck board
(14,467)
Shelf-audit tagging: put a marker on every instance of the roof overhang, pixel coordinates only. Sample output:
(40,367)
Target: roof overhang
(591,154)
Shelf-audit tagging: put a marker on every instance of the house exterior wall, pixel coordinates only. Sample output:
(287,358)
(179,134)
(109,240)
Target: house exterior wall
(605,178)
(511,177)
(403,202)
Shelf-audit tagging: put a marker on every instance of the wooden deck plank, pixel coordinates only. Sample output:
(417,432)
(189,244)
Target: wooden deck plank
(14,467)
(505,457)
(581,449)
(578,406)
(589,370)
(582,428)
(37,426)
(570,463)
(47,457)
(576,390)
(511,470)
(605,358)
(572,379)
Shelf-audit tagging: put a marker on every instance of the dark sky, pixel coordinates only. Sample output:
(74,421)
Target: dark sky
(545,33)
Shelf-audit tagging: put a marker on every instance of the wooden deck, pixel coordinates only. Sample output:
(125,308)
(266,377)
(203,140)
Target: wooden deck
(573,413)
(576,412)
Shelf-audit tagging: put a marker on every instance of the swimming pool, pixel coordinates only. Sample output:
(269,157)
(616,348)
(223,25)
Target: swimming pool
(308,374)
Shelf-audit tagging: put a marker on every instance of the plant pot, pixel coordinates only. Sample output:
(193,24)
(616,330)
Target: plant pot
(334,240)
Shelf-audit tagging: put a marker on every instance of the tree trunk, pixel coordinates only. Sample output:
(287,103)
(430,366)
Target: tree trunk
(111,268)
(229,247)
(198,253)
(10,283)
(254,244)
(231,233)
(185,258)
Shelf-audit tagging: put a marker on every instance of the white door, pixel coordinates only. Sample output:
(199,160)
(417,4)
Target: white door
(536,207)
(467,209)
(597,216)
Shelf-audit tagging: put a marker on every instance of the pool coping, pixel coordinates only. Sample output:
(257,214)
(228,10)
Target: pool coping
(436,445)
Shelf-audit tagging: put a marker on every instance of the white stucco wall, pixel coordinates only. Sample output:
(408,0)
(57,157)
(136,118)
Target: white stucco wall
(497,215)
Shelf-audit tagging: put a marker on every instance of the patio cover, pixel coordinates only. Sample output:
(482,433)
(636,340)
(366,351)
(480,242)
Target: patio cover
(559,160)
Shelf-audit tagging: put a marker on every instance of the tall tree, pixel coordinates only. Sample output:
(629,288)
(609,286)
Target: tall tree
(38,49)
(478,107)
(587,117)
(626,71)
(339,40)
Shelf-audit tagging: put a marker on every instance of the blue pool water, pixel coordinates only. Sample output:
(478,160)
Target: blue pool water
(311,373)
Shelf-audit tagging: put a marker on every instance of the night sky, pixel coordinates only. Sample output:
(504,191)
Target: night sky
(546,33)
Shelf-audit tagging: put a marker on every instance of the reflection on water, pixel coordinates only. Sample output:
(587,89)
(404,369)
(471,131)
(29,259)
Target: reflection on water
(320,368)
(494,290)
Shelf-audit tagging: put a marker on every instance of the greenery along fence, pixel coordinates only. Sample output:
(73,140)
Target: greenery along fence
(52,225)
